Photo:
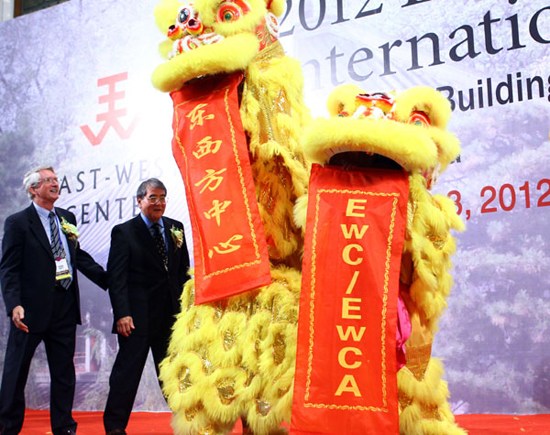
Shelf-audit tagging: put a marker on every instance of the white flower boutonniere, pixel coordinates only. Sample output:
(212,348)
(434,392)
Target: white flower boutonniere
(70,230)
(177,236)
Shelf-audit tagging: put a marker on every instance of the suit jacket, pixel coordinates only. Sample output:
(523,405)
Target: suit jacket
(27,267)
(137,277)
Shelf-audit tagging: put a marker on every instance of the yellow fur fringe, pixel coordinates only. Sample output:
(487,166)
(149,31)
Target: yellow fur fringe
(430,244)
(423,403)
(210,375)
(273,114)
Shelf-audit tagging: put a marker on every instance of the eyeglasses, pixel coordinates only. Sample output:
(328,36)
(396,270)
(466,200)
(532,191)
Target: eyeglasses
(153,199)
(49,180)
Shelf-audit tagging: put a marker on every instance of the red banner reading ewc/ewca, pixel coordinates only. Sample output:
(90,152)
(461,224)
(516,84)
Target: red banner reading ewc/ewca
(211,152)
(345,379)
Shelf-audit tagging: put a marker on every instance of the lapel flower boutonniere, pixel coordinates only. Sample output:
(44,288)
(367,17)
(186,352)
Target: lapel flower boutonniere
(70,230)
(177,236)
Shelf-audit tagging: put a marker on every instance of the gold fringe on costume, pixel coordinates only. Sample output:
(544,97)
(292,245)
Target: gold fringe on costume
(423,407)
(428,247)
(273,115)
(235,358)
(430,244)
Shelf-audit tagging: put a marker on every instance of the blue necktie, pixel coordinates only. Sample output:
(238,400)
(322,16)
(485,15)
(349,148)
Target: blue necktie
(57,246)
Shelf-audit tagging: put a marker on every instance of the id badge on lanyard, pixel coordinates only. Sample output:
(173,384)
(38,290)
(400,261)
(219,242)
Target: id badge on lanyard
(61,269)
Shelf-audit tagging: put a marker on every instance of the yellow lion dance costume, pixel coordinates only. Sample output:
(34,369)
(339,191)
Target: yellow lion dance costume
(235,358)
(407,129)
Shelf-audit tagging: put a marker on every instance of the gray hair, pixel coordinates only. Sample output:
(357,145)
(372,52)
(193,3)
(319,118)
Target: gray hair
(151,182)
(32,178)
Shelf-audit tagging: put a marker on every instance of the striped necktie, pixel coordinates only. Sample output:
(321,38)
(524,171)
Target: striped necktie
(159,242)
(57,246)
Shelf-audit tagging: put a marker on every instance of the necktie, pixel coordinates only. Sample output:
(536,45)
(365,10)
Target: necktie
(57,246)
(159,242)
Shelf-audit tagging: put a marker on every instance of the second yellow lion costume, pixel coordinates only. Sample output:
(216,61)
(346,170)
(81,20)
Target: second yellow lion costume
(409,129)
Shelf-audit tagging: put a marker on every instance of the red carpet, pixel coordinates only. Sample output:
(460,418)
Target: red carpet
(91,423)
(141,423)
(493,424)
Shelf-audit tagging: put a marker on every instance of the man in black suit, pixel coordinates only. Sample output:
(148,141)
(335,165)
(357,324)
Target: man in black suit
(147,267)
(40,257)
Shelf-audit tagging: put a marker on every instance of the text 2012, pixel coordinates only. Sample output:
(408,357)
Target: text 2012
(507,197)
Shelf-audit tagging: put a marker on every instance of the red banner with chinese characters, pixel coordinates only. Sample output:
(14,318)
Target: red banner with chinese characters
(211,151)
(346,358)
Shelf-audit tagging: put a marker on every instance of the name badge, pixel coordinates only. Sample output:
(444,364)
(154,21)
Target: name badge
(61,269)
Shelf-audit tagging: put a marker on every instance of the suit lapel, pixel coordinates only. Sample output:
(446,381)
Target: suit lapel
(36,227)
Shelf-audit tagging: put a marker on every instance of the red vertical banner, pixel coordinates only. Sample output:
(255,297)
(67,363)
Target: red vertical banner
(210,149)
(346,366)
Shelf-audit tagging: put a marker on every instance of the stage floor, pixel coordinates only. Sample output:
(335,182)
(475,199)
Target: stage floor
(141,423)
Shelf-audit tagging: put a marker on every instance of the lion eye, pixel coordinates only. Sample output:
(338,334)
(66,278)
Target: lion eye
(232,10)
(228,12)
(184,15)
(420,119)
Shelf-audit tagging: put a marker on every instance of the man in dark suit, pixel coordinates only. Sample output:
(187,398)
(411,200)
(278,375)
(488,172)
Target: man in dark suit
(40,257)
(147,266)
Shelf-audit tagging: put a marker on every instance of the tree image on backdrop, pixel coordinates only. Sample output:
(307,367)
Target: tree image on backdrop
(501,299)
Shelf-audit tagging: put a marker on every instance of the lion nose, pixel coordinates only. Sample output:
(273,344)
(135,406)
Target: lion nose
(174,32)
(195,27)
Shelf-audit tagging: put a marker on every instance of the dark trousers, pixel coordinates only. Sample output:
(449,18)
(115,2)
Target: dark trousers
(59,341)
(127,370)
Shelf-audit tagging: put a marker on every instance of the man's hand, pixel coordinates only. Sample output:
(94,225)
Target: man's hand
(17,316)
(125,325)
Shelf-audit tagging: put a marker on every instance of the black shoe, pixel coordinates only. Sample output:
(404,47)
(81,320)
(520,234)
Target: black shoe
(116,432)
(65,432)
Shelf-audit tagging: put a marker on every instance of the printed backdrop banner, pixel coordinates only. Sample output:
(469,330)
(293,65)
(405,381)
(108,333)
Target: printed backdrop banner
(77,94)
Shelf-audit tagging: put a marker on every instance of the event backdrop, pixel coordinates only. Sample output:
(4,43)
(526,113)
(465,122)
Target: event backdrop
(75,92)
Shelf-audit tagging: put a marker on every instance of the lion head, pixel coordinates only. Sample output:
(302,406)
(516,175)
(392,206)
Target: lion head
(206,37)
(406,130)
